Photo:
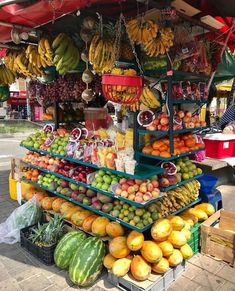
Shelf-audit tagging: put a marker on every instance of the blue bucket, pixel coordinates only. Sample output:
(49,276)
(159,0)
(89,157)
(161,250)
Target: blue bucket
(207,182)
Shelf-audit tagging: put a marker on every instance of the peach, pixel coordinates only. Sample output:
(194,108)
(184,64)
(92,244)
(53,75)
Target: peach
(188,114)
(139,194)
(197,124)
(131,190)
(191,125)
(136,187)
(150,187)
(124,194)
(118,191)
(147,196)
(122,181)
(155,193)
(163,114)
(143,189)
(151,127)
(181,114)
(131,197)
(124,187)
(138,199)
(164,121)
(155,183)
(165,127)
(138,182)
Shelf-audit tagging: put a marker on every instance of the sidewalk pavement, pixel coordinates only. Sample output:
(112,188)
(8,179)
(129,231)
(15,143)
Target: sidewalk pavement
(21,271)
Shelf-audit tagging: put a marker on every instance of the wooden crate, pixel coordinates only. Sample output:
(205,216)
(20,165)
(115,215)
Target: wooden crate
(15,169)
(218,236)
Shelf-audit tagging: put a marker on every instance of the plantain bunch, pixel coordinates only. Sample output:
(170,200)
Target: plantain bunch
(178,198)
(66,54)
(7,77)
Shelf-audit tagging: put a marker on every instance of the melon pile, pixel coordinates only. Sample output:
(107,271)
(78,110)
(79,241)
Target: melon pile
(82,257)
(167,247)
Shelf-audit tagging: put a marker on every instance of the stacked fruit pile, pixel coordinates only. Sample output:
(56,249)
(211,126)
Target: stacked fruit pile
(182,119)
(178,198)
(138,190)
(182,144)
(82,257)
(178,170)
(166,248)
(103,180)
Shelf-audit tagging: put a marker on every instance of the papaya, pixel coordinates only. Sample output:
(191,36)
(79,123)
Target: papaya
(161,267)
(121,267)
(135,240)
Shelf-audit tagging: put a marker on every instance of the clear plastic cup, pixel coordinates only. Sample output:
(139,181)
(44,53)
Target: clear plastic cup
(130,167)
(120,165)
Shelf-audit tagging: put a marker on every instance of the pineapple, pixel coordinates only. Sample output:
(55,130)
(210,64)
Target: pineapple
(48,234)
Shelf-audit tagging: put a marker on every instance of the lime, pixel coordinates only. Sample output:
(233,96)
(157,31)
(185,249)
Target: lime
(126,212)
(131,215)
(121,215)
(154,216)
(140,225)
(101,173)
(126,219)
(139,212)
(126,206)
(132,222)
(136,219)
(199,171)
(185,176)
(145,222)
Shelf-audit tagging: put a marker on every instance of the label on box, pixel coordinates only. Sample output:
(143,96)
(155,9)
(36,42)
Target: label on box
(226,145)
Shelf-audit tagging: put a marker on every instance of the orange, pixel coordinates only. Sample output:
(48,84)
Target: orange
(35,173)
(157,144)
(155,153)
(190,143)
(147,149)
(165,154)
(166,141)
(163,148)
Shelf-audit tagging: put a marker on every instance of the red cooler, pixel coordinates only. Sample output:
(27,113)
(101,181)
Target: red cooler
(219,145)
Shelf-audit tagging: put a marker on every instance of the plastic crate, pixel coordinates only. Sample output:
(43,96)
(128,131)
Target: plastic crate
(220,146)
(161,282)
(44,254)
(195,238)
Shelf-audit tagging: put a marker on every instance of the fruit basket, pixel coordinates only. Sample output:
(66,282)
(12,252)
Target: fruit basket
(122,89)
(44,254)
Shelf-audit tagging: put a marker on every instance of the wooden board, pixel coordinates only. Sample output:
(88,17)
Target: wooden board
(216,240)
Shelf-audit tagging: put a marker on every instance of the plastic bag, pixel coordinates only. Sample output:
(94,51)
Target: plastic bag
(23,216)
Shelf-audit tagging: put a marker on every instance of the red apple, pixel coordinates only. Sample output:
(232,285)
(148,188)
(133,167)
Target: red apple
(138,182)
(156,121)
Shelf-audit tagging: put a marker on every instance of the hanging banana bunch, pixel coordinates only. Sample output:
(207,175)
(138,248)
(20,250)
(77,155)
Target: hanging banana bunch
(9,60)
(141,31)
(66,54)
(45,52)
(7,77)
(161,44)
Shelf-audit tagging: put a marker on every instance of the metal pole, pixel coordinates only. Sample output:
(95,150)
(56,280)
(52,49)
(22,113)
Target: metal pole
(56,106)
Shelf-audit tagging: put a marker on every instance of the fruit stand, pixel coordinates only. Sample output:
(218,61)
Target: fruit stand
(133,188)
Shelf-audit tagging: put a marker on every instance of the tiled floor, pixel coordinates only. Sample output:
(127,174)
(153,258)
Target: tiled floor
(20,271)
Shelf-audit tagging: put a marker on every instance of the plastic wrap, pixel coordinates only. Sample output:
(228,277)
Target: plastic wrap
(23,216)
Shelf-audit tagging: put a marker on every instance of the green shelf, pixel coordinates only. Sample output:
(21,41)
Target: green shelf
(90,208)
(95,189)
(165,189)
(177,75)
(142,171)
(160,132)
(172,157)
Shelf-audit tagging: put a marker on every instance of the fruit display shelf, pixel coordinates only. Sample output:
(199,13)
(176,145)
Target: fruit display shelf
(172,157)
(176,75)
(162,133)
(142,171)
(187,206)
(137,204)
(101,213)
(165,189)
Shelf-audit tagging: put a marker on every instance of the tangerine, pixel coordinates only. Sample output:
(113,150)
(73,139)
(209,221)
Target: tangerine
(165,154)
(155,152)
(147,149)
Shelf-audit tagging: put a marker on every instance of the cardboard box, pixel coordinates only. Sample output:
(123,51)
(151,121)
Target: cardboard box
(218,236)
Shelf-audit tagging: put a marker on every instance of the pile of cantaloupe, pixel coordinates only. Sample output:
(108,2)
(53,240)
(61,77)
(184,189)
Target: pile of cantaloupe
(167,248)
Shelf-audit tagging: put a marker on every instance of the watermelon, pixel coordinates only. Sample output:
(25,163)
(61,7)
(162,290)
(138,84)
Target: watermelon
(87,263)
(67,247)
